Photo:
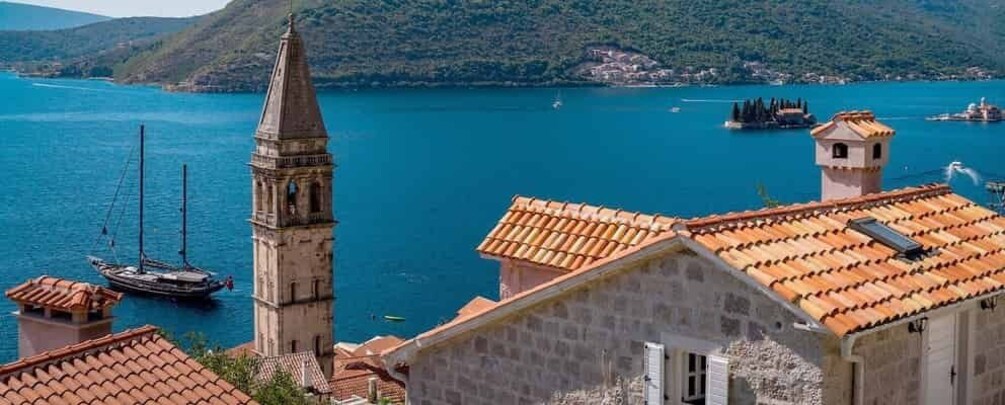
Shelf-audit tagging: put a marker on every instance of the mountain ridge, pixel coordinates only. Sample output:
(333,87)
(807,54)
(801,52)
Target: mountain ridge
(25,17)
(376,43)
(87,51)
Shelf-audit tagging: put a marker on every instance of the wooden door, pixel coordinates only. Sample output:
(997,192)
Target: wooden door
(940,361)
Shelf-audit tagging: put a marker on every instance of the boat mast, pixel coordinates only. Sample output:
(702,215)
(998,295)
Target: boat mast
(141,197)
(184,215)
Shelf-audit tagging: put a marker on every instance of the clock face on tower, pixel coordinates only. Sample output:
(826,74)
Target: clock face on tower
(292,217)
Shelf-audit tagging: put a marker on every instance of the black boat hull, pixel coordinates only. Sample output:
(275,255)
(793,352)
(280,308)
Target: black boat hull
(143,290)
(110,272)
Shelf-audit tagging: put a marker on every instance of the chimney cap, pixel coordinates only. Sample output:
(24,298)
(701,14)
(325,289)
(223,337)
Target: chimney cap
(862,123)
(65,295)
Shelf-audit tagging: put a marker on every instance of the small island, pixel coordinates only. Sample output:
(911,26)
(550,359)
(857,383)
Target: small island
(983,112)
(776,114)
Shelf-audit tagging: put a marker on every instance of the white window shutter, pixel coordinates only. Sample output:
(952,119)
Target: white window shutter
(717,392)
(654,364)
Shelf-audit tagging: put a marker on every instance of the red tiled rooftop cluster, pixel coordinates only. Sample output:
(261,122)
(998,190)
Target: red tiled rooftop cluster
(354,369)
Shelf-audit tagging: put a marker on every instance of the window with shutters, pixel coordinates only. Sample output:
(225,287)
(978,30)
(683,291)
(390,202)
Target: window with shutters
(696,372)
(654,364)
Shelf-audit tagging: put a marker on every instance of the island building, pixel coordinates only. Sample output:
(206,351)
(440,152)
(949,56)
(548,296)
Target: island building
(67,354)
(864,297)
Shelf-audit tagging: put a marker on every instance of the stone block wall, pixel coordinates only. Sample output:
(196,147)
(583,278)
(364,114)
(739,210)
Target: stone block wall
(892,367)
(586,346)
(989,357)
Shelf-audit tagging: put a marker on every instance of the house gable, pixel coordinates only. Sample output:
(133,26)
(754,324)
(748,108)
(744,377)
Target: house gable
(585,341)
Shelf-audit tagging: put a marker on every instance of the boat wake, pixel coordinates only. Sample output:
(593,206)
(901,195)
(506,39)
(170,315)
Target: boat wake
(59,86)
(957,167)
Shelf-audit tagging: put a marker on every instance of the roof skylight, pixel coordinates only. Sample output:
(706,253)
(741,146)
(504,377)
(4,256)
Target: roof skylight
(887,236)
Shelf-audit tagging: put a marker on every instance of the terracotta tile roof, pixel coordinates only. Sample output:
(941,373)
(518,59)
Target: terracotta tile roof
(135,366)
(808,256)
(353,371)
(295,364)
(377,345)
(863,123)
(846,280)
(476,306)
(567,236)
(63,295)
(244,349)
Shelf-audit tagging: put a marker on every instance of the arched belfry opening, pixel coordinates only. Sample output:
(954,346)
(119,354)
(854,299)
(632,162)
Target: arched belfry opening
(291,196)
(315,197)
(259,196)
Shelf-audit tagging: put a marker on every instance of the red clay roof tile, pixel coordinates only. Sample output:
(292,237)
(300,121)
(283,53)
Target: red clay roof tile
(567,236)
(98,371)
(863,278)
(65,295)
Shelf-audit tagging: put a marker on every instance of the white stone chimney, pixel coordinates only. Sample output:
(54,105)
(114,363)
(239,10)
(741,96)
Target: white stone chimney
(305,375)
(53,313)
(371,390)
(852,150)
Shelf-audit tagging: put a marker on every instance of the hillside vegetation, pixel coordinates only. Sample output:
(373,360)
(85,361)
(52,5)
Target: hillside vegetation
(103,46)
(532,42)
(17,16)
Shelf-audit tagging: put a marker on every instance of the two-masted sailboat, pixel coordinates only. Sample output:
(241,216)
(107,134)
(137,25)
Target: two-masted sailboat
(156,277)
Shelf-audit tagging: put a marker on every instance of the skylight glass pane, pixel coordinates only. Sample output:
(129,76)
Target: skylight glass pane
(885,235)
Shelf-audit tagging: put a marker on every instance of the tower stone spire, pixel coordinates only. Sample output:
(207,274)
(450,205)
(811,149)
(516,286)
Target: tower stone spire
(291,216)
(291,106)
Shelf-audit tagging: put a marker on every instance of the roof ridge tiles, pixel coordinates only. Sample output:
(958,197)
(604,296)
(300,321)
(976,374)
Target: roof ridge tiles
(75,350)
(734,219)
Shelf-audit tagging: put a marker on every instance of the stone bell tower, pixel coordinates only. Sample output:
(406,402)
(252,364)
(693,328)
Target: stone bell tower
(852,150)
(291,217)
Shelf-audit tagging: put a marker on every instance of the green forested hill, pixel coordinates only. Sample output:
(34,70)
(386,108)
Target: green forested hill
(104,45)
(18,16)
(408,42)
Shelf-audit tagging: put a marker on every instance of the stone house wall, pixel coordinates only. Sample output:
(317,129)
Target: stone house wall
(988,381)
(587,345)
(892,366)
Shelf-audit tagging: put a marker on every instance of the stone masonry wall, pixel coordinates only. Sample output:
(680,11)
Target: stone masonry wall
(586,346)
(892,368)
(989,357)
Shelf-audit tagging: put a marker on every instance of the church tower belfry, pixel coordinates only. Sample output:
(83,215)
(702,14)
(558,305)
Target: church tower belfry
(291,218)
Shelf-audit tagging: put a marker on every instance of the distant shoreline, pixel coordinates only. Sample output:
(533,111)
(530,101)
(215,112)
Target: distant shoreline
(341,86)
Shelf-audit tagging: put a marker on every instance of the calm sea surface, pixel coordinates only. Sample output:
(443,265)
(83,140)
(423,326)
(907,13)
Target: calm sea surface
(422,175)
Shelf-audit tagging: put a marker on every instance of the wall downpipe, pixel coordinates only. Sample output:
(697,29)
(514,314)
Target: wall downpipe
(857,370)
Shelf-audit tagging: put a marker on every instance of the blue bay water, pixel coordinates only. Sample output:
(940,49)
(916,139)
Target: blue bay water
(422,175)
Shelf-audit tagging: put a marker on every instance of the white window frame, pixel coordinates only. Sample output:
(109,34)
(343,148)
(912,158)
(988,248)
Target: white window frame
(677,348)
(701,370)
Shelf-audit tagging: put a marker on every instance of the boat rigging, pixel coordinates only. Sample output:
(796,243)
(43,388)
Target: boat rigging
(154,277)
